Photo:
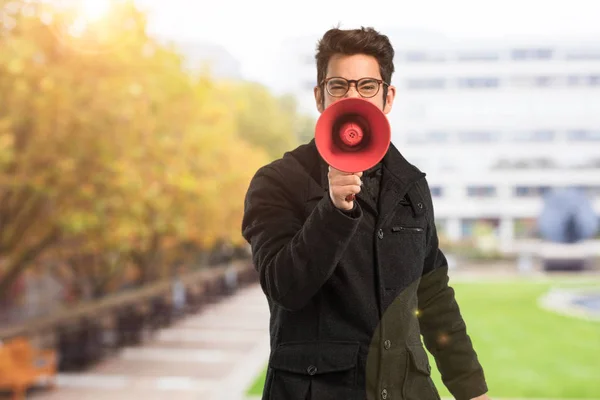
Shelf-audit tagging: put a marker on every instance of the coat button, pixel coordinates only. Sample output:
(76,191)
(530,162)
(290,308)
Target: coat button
(312,370)
(420,205)
(387,344)
(380,234)
(384,394)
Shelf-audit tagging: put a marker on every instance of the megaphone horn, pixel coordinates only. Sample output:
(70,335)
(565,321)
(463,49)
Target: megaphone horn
(352,135)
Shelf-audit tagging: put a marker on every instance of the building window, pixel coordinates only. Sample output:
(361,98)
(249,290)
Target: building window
(478,136)
(582,135)
(427,137)
(532,54)
(589,54)
(483,82)
(437,191)
(583,80)
(531,191)
(544,81)
(438,137)
(419,56)
(553,81)
(435,83)
(535,136)
(591,191)
(575,80)
(532,163)
(477,56)
(481,191)
(537,81)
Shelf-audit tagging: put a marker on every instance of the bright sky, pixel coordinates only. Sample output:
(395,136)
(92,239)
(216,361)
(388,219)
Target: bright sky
(252,30)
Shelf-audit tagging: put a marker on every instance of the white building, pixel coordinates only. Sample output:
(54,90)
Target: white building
(494,124)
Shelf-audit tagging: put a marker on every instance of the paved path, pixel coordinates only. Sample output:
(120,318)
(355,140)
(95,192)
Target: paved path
(213,355)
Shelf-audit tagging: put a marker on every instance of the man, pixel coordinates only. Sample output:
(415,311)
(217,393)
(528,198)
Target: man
(352,285)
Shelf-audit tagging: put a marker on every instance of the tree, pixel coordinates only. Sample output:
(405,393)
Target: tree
(263,120)
(111,151)
(303,124)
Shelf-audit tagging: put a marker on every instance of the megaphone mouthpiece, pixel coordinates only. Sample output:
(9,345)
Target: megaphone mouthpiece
(351,134)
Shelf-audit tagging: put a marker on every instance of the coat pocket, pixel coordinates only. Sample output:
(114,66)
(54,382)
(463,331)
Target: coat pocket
(418,384)
(404,254)
(407,229)
(313,370)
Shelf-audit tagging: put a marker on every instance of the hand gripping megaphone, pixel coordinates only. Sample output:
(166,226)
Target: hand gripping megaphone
(352,135)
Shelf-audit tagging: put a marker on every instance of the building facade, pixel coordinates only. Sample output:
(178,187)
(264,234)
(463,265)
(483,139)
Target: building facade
(495,124)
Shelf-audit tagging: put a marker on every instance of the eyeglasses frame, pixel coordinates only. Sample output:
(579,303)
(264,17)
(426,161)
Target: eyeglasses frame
(355,81)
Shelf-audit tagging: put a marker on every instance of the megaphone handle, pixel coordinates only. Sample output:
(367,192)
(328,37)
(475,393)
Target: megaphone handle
(350,197)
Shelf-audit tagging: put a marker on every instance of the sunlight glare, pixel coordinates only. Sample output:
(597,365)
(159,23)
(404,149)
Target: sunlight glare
(94,10)
(88,14)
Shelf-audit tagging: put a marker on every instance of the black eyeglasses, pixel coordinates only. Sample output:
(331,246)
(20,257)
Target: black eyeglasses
(366,87)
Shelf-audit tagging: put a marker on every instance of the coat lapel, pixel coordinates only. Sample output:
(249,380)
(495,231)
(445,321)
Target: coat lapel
(398,177)
(366,199)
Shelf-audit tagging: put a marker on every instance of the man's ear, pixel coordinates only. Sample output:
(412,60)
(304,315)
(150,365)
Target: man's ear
(318,98)
(389,99)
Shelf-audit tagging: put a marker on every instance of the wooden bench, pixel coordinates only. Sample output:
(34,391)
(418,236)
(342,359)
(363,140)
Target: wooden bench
(22,366)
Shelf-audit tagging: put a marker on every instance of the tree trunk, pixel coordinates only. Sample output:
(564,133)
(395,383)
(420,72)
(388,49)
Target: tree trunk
(146,259)
(24,260)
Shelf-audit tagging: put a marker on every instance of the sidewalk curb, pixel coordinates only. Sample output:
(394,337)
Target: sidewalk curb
(245,372)
(493,398)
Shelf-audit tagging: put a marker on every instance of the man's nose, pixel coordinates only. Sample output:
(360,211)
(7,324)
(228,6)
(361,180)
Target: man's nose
(352,92)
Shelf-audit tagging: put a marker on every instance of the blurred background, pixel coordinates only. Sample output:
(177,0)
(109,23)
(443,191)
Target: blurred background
(129,131)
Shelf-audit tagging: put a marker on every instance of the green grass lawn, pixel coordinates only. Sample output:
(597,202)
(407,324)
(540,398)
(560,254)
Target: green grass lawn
(525,350)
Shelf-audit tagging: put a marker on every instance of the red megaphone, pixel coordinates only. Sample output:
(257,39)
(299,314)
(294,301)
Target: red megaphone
(352,135)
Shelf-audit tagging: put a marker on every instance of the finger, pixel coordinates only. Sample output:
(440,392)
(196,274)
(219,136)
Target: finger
(342,192)
(341,179)
(335,171)
(345,180)
(353,189)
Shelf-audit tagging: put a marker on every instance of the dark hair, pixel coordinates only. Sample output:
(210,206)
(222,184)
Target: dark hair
(355,41)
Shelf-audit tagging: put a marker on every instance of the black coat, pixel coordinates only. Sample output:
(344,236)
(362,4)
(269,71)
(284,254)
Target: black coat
(351,293)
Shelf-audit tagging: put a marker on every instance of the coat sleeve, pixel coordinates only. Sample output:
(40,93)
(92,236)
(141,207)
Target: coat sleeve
(293,257)
(443,327)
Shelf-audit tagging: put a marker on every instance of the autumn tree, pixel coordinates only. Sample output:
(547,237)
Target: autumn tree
(112,152)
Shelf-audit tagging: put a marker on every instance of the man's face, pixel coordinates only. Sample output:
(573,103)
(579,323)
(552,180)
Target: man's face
(354,67)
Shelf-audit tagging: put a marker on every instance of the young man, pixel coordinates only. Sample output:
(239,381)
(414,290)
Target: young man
(352,285)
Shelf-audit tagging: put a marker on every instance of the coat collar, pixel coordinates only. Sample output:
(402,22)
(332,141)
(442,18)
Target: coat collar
(397,171)
(398,176)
